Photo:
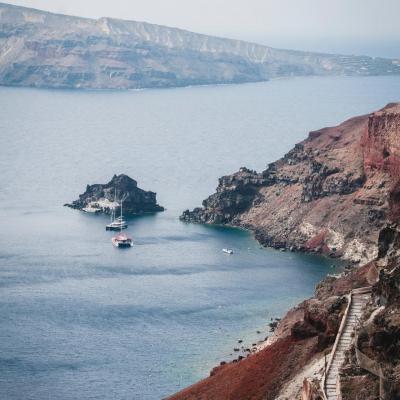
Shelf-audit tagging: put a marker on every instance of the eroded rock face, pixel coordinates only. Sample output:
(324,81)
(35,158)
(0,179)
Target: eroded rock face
(321,318)
(42,49)
(235,193)
(332,193)
(104,197)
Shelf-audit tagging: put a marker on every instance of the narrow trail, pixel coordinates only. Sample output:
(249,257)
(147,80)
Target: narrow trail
(358,299)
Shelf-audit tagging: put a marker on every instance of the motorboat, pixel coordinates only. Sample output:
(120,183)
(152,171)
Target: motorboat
(227,251)
(91,209)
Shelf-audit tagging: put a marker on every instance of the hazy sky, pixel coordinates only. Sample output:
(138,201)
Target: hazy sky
(349,26)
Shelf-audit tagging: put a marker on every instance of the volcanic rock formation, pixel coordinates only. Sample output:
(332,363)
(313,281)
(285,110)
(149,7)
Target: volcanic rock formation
(332,193)
(105,197)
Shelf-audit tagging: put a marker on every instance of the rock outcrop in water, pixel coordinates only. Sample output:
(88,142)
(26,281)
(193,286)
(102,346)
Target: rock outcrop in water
(105,197)
(42,49)
(332,193)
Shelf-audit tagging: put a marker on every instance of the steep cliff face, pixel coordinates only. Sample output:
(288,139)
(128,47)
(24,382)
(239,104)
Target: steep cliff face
(106,197)
(332,193)
(50,50)
(382,152)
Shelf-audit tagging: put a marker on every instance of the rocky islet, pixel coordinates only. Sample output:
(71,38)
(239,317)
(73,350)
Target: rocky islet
(106,197)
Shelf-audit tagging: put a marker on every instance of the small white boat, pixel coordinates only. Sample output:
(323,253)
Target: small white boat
(122,241)
(227,251)
(91,209)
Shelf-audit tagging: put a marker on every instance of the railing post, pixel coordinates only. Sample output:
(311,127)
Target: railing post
(338,388)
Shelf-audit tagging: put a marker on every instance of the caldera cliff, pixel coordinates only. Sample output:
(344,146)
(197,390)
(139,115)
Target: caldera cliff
(332,193)
(43,49)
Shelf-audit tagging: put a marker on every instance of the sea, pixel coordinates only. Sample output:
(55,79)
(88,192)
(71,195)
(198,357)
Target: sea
(80,319)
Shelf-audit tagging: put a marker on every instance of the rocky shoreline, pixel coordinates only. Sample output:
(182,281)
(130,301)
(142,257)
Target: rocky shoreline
(103,198)
(336,193)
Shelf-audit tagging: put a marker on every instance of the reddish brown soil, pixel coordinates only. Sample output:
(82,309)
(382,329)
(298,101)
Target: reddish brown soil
(260,376)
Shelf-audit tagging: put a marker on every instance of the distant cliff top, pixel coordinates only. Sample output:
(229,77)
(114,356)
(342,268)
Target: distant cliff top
(42,49)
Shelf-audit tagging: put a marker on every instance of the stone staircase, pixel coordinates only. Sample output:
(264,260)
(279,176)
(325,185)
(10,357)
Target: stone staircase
(357,301)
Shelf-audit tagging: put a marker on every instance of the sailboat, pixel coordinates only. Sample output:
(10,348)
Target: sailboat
(118,223)
(122,240)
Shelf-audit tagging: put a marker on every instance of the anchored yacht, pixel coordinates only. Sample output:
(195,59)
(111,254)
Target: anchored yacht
(121,240)
(117,224)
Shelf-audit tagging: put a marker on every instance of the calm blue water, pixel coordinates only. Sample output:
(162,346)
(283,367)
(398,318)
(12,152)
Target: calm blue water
(80,319)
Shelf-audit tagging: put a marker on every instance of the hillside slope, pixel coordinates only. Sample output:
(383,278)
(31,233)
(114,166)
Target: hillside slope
(332,193)
(337,192)
(42,49)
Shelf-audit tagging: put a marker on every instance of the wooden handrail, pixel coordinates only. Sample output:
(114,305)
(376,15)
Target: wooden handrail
(362,290)
(338,336)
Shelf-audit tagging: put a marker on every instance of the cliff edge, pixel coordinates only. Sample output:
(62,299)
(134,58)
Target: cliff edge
(332,193)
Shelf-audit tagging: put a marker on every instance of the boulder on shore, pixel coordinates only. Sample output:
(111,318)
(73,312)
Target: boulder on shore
(107,197)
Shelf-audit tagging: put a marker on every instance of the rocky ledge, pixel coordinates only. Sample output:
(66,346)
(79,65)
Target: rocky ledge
(332,193)
(106,197)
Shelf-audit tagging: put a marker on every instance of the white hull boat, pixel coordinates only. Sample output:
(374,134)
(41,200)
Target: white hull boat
(117,225)
(227,251)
